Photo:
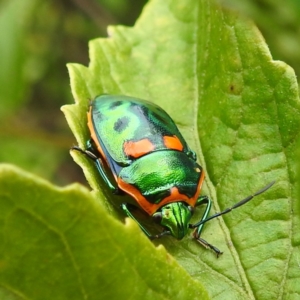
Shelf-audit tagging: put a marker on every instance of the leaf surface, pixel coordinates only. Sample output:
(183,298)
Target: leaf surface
(238,109)
(59,243)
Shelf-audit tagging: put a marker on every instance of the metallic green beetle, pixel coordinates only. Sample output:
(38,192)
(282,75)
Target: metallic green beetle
(150,160)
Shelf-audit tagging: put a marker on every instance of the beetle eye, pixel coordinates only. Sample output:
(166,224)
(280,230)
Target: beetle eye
(157,217)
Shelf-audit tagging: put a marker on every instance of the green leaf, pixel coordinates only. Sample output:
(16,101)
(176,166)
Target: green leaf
(279,24)
(238,109)
(58,243)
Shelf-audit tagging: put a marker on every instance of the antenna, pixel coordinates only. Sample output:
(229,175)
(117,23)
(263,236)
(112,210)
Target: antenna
(229,209)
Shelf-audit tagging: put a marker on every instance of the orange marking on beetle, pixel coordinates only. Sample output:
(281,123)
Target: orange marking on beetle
(138,149)
(173,142)
(135,194)
(199,186)
(177,197)
(93,133)
(151,208)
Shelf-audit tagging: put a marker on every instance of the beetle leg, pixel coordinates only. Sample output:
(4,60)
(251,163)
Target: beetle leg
(98,162)
(204,200)
(205,244)
(100,168)
(125,208)
(200,201)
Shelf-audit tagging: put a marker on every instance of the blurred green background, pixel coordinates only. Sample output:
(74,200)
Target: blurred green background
(38,38)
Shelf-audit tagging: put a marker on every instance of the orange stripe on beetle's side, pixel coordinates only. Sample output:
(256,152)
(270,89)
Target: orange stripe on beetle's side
(199,186)
(177,197)
(136,194)
(151,208)
(173,142)
(93,134)
(148,207)
(138,149)
(95,139)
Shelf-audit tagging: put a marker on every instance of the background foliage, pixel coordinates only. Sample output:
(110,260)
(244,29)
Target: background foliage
(41,37)
(34,135)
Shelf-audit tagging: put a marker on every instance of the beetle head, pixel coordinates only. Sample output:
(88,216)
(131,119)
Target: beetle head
(175,217)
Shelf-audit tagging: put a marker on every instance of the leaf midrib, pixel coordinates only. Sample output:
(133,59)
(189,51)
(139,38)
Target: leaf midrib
(199,88)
